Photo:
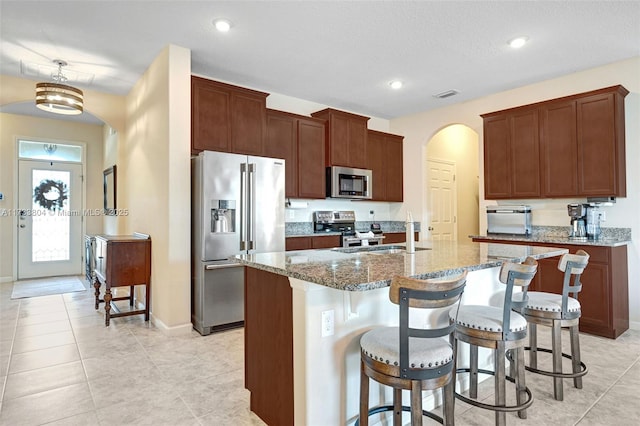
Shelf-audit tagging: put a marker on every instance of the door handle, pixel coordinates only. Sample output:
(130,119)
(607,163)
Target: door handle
(22,225)
(430,228)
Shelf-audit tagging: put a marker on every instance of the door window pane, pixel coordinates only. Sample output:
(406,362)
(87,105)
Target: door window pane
(50,215)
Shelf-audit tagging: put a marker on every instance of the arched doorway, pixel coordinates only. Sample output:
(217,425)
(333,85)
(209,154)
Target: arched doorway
(452,183)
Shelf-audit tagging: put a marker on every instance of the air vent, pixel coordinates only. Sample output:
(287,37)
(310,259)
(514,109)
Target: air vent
(446,94)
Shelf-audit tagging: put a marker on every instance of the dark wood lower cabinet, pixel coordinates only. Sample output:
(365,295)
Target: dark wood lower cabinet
(397,237)
(605,286)
(268,346)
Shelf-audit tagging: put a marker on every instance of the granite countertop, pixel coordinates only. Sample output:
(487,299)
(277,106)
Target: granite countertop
(611,237)
(368,270)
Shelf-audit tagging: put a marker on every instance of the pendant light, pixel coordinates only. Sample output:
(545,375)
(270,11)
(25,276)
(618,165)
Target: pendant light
(57,97)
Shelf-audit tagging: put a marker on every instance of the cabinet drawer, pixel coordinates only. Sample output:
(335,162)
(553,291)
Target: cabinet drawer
(328,241)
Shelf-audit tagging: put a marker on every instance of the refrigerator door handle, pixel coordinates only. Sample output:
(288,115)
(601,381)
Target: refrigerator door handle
(243,206)
(223,266)
(251,211)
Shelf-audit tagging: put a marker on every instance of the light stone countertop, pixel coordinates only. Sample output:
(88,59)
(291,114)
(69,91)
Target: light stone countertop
(611,237)
(368,270)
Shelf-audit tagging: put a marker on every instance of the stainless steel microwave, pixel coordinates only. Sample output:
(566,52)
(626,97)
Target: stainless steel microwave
(345,182)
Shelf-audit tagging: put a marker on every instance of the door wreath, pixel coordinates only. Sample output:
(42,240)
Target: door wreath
(50,194)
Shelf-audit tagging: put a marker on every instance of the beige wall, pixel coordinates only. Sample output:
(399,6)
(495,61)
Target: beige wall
(154,181)
(459,144)
(13,127)
(420,128)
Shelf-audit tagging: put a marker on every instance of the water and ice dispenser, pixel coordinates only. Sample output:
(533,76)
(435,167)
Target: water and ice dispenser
(223,216)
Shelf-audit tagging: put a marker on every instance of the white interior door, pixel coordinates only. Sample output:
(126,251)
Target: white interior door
(442,200)
(50,219)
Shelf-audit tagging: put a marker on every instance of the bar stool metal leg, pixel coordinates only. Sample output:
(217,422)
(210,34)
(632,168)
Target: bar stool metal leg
(473,376)
(533,344)
(575,355)
(499,383)
(521,395)
(556,347)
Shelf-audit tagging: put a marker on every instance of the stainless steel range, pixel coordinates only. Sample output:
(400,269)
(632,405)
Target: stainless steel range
(344,222)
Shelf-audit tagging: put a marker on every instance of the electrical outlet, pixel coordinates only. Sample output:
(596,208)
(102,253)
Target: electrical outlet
(328,323)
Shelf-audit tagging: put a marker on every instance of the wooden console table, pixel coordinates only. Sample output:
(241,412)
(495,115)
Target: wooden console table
(122,261)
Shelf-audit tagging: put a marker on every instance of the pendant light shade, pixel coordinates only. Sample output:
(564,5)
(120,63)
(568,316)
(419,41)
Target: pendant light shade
(57,97)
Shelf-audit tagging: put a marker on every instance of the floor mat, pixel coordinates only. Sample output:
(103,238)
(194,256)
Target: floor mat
(46,287)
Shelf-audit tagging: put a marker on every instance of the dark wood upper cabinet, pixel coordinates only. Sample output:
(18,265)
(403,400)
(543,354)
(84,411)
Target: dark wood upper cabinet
(281,142)
(525,154)
(346,142)
(311,152)
(226,118)
(497,163)
(384,154)
(601,144)
(300,141)
(567,147)
(559,149)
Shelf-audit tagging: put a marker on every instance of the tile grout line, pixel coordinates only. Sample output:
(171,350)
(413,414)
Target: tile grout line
(607,390)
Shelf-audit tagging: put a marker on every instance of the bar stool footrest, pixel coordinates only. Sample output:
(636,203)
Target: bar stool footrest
(383,408)
(580,373)
(506,408)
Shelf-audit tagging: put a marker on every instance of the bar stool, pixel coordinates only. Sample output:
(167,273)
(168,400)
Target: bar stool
(500,329)
(558,311)
(424,362)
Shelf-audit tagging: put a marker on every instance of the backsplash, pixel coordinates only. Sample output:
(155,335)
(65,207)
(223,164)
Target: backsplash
(306,228)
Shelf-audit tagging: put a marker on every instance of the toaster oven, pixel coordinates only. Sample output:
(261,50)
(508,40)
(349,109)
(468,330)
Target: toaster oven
(515,220)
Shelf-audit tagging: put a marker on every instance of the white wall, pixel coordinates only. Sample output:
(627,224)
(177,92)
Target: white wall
(418,129)
(154,175)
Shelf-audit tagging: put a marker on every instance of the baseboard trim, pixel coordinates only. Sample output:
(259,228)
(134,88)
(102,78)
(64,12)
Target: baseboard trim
(6,279)
(634,325)
(178,330)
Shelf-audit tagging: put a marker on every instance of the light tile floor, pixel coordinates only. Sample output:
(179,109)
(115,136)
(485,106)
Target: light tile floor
(60,365)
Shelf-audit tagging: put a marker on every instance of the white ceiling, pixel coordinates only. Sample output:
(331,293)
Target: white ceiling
(337,53)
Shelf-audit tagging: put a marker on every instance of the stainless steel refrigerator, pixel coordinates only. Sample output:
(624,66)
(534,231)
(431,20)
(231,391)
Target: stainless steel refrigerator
(238,207)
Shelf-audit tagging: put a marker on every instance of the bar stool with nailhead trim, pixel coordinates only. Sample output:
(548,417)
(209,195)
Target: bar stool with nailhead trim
(500,329)
(558,311)
(414,359)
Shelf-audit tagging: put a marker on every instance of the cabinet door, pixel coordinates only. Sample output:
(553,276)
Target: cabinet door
(595,299)
(548,277)
(297,243)
(395,237)
(328,241)
(597,148)
(394,169)
(338,143)
(497,170)
(357,144)
(525,154)
(311,163)
(247,124)
(209,117)
(376,163)
(281,143)
(559,150)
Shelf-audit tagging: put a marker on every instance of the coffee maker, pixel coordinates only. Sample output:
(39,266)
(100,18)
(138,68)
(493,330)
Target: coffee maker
(594,217)
(578,215)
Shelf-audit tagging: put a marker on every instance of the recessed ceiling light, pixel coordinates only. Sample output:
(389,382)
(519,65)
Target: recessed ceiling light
(395,84)
(518,42)
(222,25)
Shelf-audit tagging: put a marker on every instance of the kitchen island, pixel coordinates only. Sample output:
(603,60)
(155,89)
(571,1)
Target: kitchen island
(306,310)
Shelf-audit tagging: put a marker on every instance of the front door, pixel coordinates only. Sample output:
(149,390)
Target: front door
(49,218)
(442,200)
